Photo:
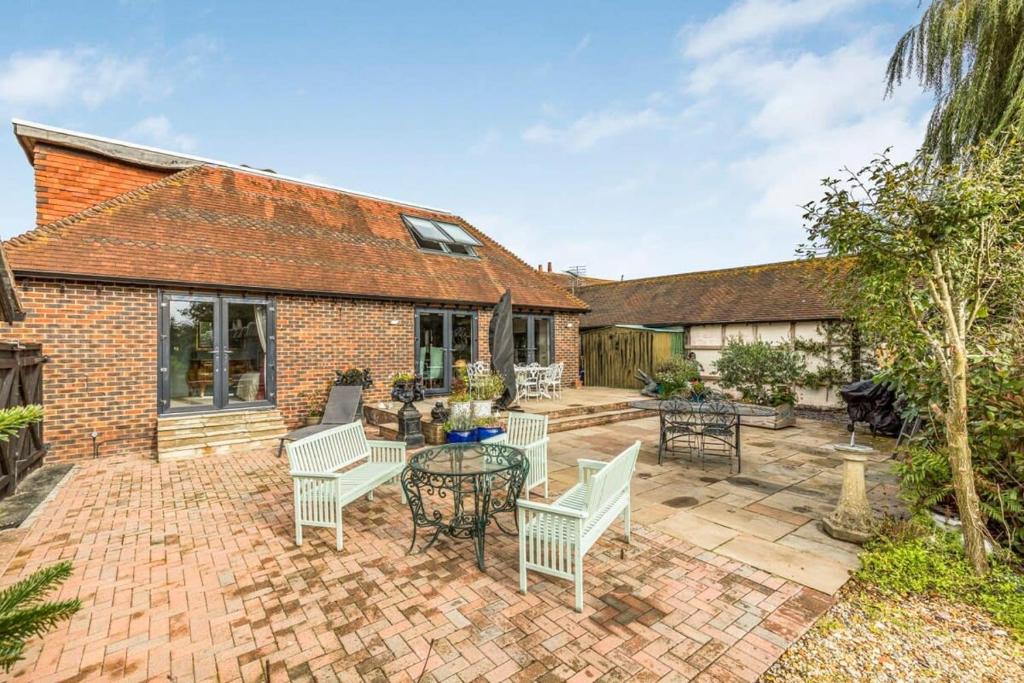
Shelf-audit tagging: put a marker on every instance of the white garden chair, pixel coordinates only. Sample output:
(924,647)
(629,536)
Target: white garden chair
(551,380)
(529,433)
(553,538)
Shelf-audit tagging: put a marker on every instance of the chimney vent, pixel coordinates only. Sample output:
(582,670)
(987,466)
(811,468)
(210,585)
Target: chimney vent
(549,266)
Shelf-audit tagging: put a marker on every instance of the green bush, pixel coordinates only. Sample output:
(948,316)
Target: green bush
(763,373)
(675,375)
(935,564)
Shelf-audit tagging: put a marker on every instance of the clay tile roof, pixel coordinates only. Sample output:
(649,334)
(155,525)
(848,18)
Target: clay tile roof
(793,290)
(221,227)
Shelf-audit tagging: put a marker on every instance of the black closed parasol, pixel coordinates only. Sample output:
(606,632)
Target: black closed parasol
(502,349)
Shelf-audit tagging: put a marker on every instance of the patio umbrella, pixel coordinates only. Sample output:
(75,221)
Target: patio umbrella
(502,349)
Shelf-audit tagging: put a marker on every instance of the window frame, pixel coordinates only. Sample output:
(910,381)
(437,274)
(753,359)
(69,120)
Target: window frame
(531,341)
(451,247)
(221,402)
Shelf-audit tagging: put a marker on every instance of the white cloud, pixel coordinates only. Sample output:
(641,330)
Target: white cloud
(750,20)
(582,45)
(56,77)
(158,131)
(589,129)
(804,115)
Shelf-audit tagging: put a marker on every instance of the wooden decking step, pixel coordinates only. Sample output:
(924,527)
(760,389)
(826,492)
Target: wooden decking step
(189,436)
(568,423)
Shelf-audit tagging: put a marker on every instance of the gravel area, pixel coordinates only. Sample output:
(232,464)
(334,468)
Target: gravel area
(867,637)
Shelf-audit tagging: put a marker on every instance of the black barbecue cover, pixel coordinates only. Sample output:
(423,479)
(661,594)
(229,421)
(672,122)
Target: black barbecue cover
(874,404)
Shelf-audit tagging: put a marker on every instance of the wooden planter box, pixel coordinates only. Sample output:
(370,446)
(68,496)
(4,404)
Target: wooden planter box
(766,416)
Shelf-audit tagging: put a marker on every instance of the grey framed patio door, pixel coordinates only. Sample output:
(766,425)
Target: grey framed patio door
(443,339)
(215,352)
(533,337)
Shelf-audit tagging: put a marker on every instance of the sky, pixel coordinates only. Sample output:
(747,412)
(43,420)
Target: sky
(633,139)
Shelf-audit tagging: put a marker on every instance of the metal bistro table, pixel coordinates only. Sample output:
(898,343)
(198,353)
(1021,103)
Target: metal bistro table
(457,489)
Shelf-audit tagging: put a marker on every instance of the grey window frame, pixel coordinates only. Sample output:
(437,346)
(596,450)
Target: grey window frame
(447,326)
(445,247)
(531,341)
(220,366)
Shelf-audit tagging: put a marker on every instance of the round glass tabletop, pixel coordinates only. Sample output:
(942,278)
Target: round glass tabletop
(466,459)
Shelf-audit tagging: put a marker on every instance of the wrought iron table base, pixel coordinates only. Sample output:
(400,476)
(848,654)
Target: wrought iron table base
(471,524)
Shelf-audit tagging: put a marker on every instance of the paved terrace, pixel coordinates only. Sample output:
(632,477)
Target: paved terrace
(188,570)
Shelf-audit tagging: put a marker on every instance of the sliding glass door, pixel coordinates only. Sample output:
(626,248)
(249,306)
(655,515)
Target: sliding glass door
(533,337)
(443,339)
(215,352)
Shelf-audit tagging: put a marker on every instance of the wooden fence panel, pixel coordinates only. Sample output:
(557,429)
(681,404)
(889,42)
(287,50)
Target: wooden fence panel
(611,355)
(21,383)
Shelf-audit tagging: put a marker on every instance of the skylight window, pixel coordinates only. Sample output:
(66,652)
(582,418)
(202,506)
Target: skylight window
(458,234)
(446,238)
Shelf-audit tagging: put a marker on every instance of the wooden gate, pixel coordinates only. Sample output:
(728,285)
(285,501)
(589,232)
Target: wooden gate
(611,355)
(21,383)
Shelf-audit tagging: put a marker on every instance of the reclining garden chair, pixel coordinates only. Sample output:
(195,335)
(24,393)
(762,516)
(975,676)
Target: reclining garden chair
(342,408)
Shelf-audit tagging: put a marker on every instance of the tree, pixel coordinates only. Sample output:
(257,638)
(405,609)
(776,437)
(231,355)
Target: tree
(24,615)
(939,259)
(970,54)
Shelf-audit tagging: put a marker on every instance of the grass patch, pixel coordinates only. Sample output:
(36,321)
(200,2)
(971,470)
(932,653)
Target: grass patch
(935,564)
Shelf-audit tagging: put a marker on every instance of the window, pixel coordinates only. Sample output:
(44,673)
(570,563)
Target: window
(446,238)
(533,338)
(215,352)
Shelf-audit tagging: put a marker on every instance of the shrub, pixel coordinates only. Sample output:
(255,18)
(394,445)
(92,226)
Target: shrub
(936,564)
(763,373)
(675,375)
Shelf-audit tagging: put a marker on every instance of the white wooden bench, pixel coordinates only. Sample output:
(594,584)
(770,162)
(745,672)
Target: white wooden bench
(553,538)
(529,433)
(331,469)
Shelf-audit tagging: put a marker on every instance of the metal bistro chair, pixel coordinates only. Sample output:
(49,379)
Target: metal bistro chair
(679,423)
(475,372)
(720,431)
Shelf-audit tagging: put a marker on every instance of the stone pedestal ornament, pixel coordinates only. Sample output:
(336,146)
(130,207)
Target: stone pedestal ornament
(410,427)
(852,520)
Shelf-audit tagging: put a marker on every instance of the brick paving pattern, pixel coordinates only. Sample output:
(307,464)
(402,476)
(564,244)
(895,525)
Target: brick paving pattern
(189,571)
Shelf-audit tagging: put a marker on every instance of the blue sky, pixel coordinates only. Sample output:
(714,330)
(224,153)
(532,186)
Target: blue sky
(639,139)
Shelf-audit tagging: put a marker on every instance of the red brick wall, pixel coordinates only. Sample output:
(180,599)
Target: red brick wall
(68,181)
(102,340)
(316,336)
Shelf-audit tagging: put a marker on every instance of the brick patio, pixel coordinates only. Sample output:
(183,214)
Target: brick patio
(188,571)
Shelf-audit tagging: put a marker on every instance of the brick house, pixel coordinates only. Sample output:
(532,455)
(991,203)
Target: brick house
(164,285)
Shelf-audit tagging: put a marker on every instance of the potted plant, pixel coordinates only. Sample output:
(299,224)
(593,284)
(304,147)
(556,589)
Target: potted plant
(354,377)
(315,402)
(460,429)
(676,376)
(485,392)
(698,391)
(459,399)
(488,427)
(765,375)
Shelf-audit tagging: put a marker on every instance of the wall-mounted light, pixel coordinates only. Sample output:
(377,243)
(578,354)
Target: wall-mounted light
(396,321)
(569,324)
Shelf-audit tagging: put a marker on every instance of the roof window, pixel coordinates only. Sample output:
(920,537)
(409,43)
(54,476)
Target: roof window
(444,238)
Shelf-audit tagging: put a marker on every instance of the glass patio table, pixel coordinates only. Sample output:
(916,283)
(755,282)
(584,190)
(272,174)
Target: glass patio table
(458,489)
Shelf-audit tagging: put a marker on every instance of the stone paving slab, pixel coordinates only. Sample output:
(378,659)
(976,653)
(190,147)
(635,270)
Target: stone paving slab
(189,571)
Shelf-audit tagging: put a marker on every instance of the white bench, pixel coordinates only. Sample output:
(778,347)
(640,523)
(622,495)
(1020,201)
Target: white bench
(331,469)
(529,433)
(553,538)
